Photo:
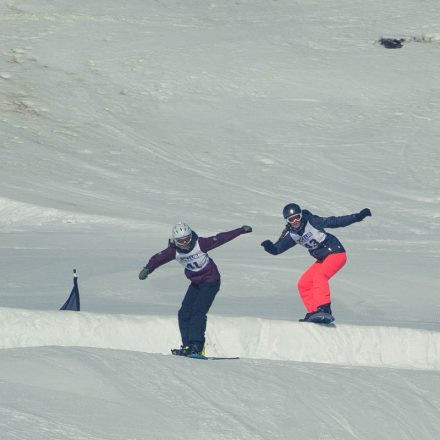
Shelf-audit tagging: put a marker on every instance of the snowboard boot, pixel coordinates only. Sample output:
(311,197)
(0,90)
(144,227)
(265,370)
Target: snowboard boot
(325,308)
(195,351)
(192,350)
(323,315)
(306,318)
(182,351)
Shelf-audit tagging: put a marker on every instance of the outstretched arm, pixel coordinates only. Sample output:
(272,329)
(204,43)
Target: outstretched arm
(157,260)
(209,243)
(341,221)
(280,246)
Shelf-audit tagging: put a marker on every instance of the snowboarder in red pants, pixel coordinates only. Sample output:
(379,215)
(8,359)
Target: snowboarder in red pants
(307,229)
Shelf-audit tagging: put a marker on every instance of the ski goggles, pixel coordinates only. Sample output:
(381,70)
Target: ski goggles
(183,241)
(294,218)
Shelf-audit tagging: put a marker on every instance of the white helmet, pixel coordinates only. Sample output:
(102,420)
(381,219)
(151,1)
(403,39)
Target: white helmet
(181,231)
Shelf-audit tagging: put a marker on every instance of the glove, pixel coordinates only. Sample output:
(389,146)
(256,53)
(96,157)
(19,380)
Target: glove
(247,229)
(143,273)
(266,244)
(364,213)
(269,247)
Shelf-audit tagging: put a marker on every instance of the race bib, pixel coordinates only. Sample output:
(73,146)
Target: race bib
(195,260)
(310,239)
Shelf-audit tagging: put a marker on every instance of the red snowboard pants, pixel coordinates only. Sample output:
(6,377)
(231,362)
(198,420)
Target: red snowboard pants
(313,285)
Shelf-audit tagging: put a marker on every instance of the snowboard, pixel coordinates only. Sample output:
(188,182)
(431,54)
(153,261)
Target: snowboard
(175,352)
(210,358)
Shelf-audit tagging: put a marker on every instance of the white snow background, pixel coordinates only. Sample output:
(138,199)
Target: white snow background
(118,119)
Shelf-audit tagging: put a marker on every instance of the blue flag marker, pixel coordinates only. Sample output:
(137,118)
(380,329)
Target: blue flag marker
(72,302)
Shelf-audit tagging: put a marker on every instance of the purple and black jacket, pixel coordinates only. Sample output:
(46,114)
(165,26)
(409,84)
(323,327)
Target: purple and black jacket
(199,267)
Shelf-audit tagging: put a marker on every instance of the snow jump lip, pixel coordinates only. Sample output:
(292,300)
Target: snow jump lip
(246,337)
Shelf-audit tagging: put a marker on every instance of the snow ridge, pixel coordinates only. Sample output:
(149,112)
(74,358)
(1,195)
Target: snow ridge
(247,337)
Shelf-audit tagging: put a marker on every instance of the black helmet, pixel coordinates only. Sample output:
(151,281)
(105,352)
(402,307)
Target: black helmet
(291,209)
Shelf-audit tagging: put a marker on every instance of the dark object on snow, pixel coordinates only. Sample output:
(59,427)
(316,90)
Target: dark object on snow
(392,43)
(72,302)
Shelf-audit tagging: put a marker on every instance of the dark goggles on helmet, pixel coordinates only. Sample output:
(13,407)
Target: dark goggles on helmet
(294,218)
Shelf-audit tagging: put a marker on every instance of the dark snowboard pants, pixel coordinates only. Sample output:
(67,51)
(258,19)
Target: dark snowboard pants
(192,314)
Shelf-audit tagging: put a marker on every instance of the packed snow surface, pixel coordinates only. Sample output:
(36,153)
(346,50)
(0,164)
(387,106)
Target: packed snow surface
(118,119)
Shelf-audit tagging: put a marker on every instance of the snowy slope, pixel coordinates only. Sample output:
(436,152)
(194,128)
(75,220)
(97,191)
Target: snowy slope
(118,120)
(54,392)
(112,395)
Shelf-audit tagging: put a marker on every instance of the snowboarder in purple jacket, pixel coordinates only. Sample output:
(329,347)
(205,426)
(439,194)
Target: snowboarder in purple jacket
(190,251)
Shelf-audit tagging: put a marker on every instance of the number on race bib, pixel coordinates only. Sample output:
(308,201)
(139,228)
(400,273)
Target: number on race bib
(193,266)
(312,244)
